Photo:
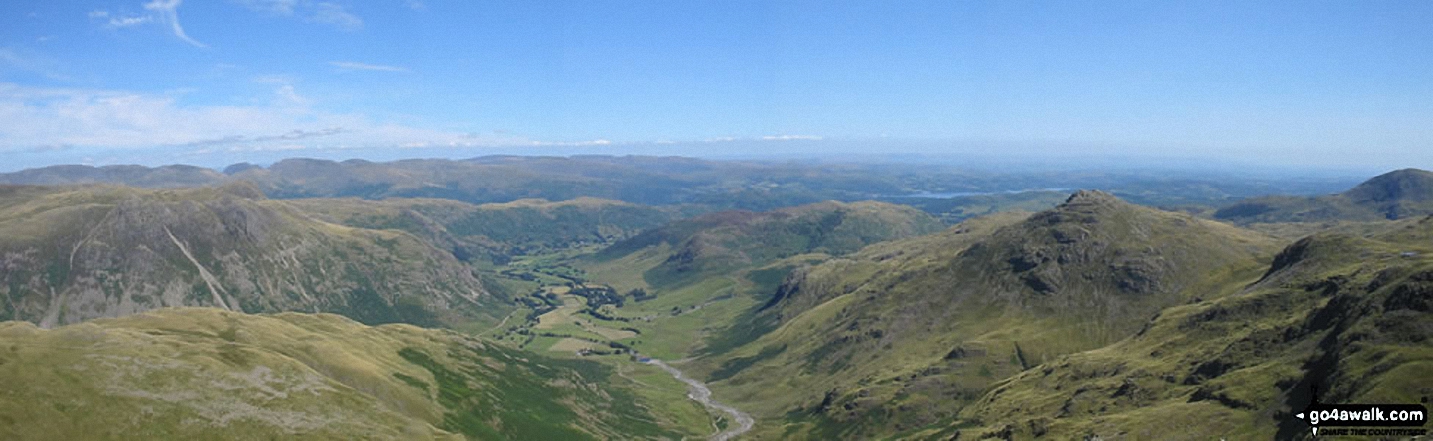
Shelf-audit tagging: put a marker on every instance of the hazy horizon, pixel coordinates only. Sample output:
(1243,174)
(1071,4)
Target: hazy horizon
(1005,161)
(1306,86)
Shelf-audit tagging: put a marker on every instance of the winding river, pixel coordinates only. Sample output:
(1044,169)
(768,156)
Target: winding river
(700,393)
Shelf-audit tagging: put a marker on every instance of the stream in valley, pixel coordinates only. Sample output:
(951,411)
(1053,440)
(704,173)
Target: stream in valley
(699,392)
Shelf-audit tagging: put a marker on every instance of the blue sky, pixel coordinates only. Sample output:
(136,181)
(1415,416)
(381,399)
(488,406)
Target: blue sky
(1300,83)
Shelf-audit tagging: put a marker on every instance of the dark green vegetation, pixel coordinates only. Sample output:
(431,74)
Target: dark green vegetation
(824,315)
(1395,195)
(212,374)
(76,253)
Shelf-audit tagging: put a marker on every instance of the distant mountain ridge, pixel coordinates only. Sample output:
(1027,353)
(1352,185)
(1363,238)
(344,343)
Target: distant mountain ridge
(1394,195)
(645,180)
(169,176)
(76,253)
(666,180)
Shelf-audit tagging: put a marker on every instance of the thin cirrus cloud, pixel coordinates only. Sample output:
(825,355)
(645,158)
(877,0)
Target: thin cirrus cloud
(38,119)
(353,65)
(292,135)
(166,12)
(327,13)
(791,138)
(160,11)
(124,22)
(336,15)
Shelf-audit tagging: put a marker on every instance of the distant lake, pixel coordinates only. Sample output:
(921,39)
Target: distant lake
(959,194)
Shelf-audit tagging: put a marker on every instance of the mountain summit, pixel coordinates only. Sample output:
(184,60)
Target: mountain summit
(1394,195)
(1407,185)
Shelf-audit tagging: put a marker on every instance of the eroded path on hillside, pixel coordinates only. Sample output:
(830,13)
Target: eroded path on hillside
(700,393)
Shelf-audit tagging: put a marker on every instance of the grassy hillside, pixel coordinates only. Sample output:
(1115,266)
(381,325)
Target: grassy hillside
(958,208)
(902,335)
(1349,316)
(169,176)
(497,231)
(76,253)
(718,243)
(1394,195)
(210,374)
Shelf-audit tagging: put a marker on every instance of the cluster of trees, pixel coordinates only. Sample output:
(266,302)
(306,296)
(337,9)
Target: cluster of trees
(641,295)
(598,296)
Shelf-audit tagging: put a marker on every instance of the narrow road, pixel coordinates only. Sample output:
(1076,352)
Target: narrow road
(700,393)
(500,324)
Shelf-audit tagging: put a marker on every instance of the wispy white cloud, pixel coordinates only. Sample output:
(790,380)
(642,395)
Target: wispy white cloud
(790,138)
(292,135)
(322,12)
(36,119)
(159,12)
(353,65)
(12,58)
(416,5)
(760,138)
(334,14)
(281,7)
(594,142)
(133,20)
(168,11)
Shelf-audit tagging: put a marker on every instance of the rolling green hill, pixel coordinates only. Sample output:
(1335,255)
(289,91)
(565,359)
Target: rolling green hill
(169,176)
(203,373)
(77,253)
(719,243)
(1349,316)
(904,334)
(497,231)
(1394,195)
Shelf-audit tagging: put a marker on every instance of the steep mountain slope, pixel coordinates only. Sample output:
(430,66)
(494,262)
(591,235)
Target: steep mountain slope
(904,334)
(496,231)
(69,254)
(1394,195)
(1350,317)
(203,373)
